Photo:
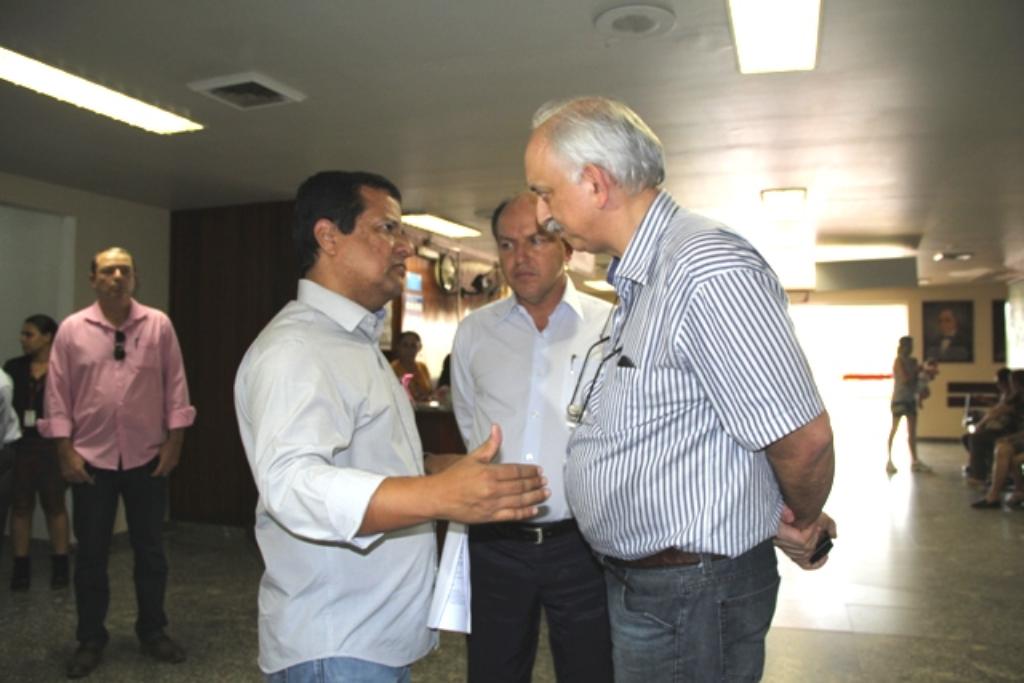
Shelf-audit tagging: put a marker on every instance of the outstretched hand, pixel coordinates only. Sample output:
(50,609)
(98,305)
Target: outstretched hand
(475,490)
(799,544)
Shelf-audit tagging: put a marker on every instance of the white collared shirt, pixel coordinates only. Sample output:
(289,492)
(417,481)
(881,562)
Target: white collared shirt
(323,421)
(10,431)
(506,372)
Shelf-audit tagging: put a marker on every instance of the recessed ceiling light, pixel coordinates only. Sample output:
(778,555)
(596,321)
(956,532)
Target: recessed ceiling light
(635,21)
(423,251)
(60,85)
(440,226)
(775,36)
(952,256)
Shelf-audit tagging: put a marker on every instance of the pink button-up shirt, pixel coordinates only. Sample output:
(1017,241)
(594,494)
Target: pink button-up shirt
(116,413)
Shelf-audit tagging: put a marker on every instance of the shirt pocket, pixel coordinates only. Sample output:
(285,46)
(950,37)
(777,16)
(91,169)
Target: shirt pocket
(623,398)
(146,355)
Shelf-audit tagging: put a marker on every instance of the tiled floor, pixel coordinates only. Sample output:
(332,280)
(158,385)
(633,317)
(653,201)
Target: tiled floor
(919,588)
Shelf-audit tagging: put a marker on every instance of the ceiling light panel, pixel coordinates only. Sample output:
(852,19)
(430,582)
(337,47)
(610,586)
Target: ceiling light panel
(60,85)
(775,36)
(832,253)
(440,226)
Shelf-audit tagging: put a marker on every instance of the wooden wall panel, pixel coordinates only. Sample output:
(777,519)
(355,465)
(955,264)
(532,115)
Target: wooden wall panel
(232,269)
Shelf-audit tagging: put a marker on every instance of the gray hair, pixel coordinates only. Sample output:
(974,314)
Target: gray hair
(606,133)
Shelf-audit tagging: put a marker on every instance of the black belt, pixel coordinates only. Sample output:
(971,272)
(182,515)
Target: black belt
(517,531)
(670,557)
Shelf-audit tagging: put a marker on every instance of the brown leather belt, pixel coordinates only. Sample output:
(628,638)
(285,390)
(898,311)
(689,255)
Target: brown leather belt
(517,531)
(670,557)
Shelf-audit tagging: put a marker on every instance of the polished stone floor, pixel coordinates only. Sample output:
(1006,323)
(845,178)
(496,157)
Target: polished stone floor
(920,587)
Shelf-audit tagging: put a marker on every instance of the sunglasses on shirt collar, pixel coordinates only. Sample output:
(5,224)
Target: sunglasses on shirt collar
(119,352)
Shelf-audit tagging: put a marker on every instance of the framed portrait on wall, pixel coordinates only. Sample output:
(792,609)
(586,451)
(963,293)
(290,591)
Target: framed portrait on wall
(999,331)
(949,331)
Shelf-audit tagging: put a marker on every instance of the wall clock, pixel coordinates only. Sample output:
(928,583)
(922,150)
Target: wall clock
(447,273)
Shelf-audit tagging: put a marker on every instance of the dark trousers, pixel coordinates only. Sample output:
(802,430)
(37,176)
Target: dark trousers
(6,487)
(982,445)
(95,506)
(511,581)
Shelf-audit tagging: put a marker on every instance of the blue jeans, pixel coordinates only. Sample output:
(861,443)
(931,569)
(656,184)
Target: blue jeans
(340,670)
(703,622)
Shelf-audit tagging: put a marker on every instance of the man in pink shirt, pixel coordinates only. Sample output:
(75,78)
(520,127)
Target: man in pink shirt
(117,404)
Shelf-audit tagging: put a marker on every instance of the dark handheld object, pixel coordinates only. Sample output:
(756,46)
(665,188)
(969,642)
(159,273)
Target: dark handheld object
(823,547)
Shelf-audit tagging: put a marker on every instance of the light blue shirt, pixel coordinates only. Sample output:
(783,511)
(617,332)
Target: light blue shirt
(323,421)
(507,372)
(708,373)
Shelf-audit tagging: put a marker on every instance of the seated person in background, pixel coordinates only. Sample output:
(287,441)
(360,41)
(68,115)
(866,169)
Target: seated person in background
(1009,454)
(973,417)
(1003,419)
(1003,384)
(406,348)
(926,374)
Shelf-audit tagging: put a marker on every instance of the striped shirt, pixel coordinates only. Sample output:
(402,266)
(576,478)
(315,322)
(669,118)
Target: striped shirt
(704,371)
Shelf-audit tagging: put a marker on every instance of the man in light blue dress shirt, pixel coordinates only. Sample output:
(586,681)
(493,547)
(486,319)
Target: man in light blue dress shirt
(705,437)
(345,515)
(516,362)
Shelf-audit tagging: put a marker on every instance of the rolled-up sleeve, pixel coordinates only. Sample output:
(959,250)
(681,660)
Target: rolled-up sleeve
(178,412)
(293,422)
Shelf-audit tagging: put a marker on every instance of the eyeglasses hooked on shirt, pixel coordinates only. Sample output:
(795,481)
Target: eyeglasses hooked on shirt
(575,410)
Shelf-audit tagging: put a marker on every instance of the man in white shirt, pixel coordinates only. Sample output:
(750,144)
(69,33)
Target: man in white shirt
(344,519)
(519,363)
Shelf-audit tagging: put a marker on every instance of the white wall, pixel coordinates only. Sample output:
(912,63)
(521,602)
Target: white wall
(37,257)
(99,222)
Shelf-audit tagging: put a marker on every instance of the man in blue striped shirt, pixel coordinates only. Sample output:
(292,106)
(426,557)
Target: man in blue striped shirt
(703,437)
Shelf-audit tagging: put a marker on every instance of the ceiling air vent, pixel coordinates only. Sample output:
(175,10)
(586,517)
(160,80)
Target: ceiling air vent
(249,90)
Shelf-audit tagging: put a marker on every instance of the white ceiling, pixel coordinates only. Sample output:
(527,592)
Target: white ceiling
(912,126)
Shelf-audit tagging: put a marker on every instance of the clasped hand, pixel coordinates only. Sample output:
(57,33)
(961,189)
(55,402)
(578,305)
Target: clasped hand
(799,543)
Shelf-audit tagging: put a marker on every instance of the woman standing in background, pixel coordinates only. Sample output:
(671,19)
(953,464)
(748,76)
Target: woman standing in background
(904,402)
(35,466)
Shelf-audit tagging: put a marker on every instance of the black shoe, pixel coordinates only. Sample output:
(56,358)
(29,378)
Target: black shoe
(163,649)
(21,577)
(86,658)
(59,575)
(983,504)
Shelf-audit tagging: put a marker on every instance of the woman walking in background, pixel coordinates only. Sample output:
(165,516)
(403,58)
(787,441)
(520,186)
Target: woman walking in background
(904,402)
(35,464)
